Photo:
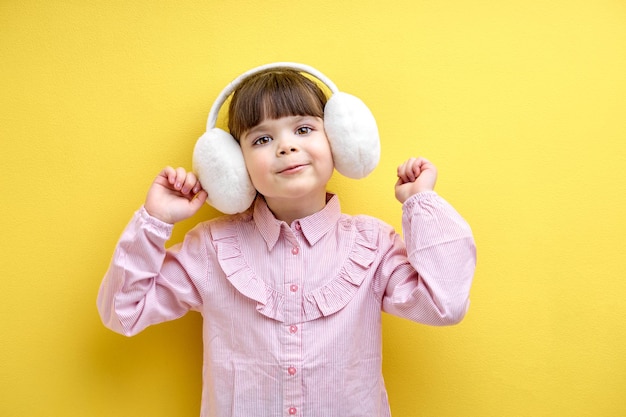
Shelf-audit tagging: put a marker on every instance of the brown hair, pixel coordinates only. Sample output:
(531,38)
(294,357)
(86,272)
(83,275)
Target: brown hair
(272,94)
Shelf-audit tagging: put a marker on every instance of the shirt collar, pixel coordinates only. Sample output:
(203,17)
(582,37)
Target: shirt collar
(313,227)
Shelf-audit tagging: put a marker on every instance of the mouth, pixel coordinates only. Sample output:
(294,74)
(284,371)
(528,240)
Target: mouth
(292,169)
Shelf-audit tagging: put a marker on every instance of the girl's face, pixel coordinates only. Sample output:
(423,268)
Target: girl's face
(289,160)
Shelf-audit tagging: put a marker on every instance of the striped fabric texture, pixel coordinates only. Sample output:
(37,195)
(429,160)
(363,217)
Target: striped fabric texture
(292,313)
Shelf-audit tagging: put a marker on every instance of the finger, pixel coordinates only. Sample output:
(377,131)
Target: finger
(198,200)
(402,171)
(197,188)
(426,165)
(406,172)
(189,183)
(169,173)
(181,175)
(421,161)
(399,171)
(416,168)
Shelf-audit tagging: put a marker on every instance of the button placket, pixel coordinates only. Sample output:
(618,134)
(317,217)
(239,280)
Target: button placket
(291,359)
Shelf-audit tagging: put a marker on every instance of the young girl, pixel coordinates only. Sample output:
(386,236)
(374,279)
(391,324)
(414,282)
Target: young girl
(291,290)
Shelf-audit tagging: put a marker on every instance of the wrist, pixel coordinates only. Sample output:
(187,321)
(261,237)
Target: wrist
(156,223)
(420,196)
(157,215)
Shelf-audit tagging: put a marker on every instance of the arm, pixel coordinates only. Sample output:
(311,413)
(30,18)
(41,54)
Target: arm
(431,276)
(432,286)
(146,284)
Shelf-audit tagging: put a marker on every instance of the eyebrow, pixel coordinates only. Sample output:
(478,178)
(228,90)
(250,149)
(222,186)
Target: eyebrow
(261,126)
(258,128)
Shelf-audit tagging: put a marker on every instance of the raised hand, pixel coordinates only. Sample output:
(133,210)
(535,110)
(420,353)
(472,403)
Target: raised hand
(174,195)
(415,175)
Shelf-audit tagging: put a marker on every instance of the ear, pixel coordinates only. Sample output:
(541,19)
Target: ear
(353,135)
(219,164)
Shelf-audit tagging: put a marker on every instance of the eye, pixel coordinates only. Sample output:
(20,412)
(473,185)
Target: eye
(261,141)
(303,130)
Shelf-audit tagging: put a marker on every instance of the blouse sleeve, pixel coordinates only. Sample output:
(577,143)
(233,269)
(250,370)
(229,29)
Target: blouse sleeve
(147,284)
(430,277)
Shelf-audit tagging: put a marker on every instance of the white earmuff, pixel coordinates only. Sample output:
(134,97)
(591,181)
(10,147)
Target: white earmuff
(218,161)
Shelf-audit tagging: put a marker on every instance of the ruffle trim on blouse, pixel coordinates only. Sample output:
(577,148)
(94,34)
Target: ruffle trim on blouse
(322,301)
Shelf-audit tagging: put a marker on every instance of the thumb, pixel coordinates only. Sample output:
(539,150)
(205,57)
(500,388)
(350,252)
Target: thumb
(199,199)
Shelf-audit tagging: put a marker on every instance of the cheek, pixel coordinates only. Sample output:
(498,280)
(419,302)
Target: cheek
(256,165)
(326,154)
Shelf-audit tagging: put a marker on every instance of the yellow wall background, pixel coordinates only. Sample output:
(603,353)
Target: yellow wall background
(520,103)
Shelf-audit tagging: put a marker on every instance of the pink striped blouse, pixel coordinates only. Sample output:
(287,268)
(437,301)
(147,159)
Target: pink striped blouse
(292,313)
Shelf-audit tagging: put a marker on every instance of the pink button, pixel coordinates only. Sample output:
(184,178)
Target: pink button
(298,227)
(292,411)
(293,328)
(293,288)
(291,370)
(295,251)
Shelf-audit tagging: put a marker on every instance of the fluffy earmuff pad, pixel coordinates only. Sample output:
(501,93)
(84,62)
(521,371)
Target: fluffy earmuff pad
(219,164)
(353,135)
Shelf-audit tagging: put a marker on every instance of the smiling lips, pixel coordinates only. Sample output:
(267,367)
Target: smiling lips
(292,169)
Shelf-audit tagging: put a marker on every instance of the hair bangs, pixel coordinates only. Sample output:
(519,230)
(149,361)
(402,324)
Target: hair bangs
(271,95)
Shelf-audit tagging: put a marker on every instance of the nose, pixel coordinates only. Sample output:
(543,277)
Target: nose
(286,151)
(286,145)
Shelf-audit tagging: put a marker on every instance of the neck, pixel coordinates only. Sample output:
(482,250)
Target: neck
(293,209)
